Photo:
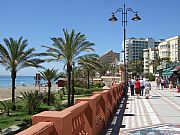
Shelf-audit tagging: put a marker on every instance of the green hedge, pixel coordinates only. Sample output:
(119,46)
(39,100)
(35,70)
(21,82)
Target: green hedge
(151,77)
(83,91)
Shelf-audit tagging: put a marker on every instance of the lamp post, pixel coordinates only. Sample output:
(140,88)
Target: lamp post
(124,21)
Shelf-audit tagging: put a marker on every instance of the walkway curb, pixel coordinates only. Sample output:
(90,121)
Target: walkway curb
(115,123)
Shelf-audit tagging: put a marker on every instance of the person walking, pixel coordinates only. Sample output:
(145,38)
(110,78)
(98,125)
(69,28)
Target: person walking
(147,88)
(162,83)
(171,86)
(141,87)
(158,82)
(137,87)
(131,84)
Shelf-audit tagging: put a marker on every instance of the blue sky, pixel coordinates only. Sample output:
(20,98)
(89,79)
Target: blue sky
(37,20)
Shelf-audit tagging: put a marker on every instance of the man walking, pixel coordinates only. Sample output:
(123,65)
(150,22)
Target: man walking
(142,87)
(131,83)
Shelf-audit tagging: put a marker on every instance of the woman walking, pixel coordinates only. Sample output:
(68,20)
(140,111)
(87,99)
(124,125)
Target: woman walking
(158,82)
(137,87)
(147,85)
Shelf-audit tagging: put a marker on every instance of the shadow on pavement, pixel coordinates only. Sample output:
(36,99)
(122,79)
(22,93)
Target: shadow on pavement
(116,123)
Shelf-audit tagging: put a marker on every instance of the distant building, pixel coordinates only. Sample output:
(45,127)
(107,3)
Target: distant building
(110,57)
(170,49)
(149,55)
(134,47)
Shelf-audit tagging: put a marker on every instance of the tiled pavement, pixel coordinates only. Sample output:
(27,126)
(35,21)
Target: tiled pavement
(163,106)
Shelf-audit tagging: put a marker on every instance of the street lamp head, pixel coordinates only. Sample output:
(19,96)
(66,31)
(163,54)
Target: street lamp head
(113,18)
(136,18)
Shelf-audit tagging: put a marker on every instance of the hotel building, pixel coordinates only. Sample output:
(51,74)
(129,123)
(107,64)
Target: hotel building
(167,49)
(134,47)
(170,49)
(149,54)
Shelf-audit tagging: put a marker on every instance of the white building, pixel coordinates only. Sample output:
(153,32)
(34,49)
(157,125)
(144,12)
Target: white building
(134,47)
(170,49)
(149,55)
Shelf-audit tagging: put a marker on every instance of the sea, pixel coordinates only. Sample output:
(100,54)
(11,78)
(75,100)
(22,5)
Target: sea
(5,81)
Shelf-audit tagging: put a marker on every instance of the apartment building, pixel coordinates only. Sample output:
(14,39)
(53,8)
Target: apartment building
(170,49)
(149,55)
(134,47)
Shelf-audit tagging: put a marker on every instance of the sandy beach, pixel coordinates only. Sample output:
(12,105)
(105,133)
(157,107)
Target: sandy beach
(5,93)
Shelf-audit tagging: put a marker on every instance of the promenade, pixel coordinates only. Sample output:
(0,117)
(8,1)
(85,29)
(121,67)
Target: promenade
(158,115)
(160,111)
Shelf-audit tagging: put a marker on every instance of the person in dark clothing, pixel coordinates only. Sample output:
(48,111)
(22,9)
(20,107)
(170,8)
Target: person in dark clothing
(131,84)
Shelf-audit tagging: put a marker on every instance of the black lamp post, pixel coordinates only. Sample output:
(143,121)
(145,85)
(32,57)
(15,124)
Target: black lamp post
(124,12)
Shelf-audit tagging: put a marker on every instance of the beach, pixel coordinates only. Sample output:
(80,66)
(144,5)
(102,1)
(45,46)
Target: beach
(5,93)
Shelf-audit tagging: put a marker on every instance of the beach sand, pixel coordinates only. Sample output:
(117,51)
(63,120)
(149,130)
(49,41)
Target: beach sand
(5,93)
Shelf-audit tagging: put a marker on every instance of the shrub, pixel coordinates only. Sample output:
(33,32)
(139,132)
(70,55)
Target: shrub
(64,90)
(59,105)
(44,107)
(32,100)
(59,95)
(6,106)
(79,90)
(27,120)
(91,90)
(52,97)
(97,85)
(151,77)
(87,92)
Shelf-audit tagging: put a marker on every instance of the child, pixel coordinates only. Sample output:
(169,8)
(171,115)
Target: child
(147,88)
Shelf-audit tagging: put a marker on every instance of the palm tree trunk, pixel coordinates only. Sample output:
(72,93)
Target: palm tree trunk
(72,96)
(13,76)
(69,68)
(88,79)
(49,92)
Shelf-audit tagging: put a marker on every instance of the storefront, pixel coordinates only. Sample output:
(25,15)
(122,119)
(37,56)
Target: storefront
(176,73)
(172,73)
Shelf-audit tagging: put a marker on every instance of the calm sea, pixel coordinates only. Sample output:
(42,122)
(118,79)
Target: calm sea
(5,81)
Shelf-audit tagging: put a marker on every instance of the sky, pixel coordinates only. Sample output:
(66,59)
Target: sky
(38,20)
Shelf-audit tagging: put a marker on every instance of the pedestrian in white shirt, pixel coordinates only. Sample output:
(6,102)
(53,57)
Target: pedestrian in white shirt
(132,86)
(142,87)
(147,88)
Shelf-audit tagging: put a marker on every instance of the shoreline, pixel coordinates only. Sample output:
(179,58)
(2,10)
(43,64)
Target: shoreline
(5,93)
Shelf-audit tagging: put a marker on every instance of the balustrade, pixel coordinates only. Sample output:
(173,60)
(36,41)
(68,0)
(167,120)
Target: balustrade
(87,117)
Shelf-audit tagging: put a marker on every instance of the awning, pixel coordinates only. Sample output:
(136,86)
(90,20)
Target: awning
(177,68)
(167,72)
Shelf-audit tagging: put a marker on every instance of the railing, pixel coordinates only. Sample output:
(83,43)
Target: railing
(87,117)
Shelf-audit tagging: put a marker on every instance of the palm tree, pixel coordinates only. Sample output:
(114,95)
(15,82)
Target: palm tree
(32,100)
(103,68)
(154,63)
(15,56)
(89,63)
(68,50)
(136,67)
(49,75)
